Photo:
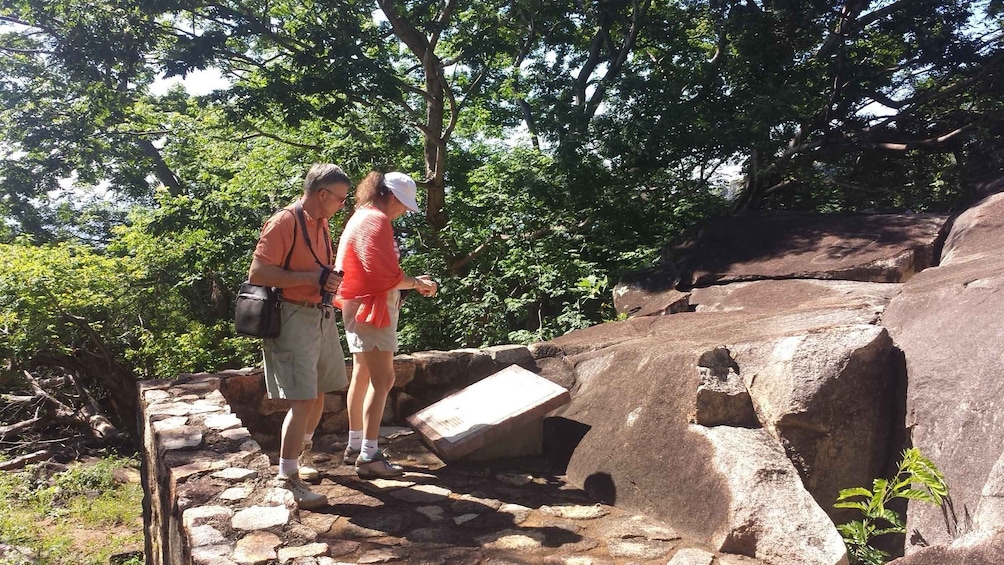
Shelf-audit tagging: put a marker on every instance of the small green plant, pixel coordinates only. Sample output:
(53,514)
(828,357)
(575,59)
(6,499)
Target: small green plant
(914,471)
(53,519)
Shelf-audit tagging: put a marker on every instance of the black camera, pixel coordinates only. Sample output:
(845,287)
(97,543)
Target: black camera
(328,298)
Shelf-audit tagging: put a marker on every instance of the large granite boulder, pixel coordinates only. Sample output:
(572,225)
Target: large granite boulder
(990,510)
(831,399)
(977,548)
(794,302)
(857,247)
(947,321)
(765,492)
(777,246)
(636,386)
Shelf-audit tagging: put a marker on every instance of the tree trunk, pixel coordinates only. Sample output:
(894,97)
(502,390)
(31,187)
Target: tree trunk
(434,96)
(435,146)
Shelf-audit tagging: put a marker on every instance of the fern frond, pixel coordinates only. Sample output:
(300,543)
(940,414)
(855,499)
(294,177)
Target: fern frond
(918,494)
(856,491)
(914,471)
(854,504)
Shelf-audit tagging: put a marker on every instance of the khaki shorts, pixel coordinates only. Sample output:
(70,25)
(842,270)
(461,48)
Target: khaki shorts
(306,359)
(366,337)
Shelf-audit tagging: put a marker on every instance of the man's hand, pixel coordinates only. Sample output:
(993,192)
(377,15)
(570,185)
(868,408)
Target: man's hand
(329,280)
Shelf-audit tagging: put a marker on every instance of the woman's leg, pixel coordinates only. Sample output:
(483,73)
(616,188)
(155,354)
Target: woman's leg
(372,463)
(380,365)
(358,386)
(357,391)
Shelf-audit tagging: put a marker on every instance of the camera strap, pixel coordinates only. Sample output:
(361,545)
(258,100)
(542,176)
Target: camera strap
(298,207)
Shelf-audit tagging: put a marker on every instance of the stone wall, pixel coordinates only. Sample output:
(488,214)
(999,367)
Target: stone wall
(206,469)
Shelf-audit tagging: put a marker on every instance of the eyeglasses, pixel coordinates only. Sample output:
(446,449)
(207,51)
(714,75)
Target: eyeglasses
(341,198)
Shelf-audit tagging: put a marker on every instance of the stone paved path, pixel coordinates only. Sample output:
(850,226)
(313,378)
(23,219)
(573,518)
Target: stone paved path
(492,513)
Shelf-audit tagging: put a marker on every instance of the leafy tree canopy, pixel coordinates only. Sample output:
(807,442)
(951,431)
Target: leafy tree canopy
(559,144)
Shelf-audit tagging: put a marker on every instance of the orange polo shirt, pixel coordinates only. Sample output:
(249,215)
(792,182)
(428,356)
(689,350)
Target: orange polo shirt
(276,240)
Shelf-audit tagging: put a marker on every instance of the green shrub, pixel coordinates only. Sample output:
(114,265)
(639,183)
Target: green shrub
(45,515)
(878,520)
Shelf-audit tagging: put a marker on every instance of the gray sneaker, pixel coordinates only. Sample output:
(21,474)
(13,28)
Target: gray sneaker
(304,497)
(350,455)
(306,463)
(377,468)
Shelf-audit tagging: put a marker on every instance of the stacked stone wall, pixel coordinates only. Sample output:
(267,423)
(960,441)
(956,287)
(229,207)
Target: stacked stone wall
(206,470)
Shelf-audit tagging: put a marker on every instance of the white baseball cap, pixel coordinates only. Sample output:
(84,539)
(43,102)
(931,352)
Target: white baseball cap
(403,188)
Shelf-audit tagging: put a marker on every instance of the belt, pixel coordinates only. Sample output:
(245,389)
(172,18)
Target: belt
(305,303)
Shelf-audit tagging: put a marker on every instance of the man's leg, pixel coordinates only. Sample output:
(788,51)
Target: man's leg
(294,426)
(314,417)
(292,443)
(308,471)
(290,366)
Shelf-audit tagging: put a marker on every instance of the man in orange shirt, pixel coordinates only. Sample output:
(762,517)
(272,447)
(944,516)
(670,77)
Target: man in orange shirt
(294,253)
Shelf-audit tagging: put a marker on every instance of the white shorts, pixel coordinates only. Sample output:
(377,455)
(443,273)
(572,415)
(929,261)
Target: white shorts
(361,336)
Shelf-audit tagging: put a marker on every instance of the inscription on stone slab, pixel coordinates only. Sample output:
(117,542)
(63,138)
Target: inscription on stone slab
(486,411)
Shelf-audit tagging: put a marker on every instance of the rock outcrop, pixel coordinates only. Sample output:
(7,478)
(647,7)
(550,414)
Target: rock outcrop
(977,548)
(790,328)
(947,321)
(850,247)
(855,336)
(636,393)
(765,493)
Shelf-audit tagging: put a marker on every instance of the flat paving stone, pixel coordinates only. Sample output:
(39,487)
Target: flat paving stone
(422,494)
(487,513)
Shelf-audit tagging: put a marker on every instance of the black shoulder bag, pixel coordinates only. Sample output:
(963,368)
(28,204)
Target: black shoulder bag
(258,312)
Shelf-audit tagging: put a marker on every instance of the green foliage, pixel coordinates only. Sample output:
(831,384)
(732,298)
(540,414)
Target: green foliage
(916,479)
(572,141)
(531,258)
(43,514)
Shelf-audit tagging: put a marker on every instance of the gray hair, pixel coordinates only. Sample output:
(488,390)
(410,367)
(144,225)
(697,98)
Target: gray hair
(323,174)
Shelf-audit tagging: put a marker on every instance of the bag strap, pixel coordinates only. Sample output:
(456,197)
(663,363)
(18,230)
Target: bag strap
(285,264)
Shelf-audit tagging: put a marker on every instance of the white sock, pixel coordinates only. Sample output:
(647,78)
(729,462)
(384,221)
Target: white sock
(369,448)
(308,438)
(355,439)
(288,467)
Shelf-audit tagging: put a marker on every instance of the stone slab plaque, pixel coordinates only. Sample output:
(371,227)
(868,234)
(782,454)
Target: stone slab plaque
(486,411)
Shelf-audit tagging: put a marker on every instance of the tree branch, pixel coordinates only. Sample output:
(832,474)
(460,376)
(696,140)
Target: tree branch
(17,428)
(255,25)
(938,142)
(25,51)
(441,21)
(21,22)
(162,171)
(848,13)
(24,460)
(259,133)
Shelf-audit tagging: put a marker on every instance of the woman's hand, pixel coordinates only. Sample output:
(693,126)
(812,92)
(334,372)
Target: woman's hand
(426,286)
